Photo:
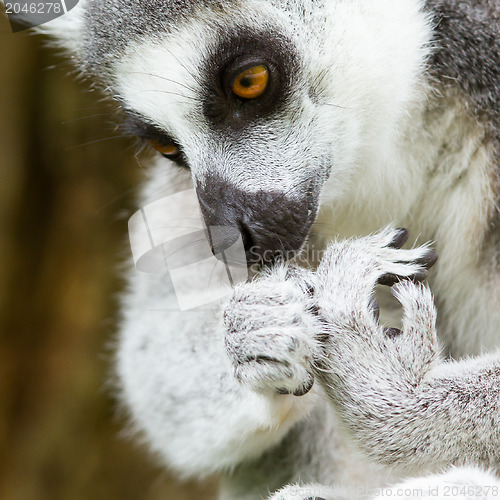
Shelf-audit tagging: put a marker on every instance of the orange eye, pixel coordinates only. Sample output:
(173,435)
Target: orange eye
(252,83)
(165,148)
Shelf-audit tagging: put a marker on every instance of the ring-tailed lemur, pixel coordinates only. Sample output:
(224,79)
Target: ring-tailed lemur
(296,118)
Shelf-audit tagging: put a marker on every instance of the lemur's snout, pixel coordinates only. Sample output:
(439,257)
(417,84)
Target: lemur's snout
(272,224)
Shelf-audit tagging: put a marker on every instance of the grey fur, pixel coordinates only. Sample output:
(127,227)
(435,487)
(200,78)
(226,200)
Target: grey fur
(467,54)
(467,58)
(129,21)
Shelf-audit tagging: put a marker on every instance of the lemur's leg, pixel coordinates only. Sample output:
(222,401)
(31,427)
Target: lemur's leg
(403,405)
(463,483)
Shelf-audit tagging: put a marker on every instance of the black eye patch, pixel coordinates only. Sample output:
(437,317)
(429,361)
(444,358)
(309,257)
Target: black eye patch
(149,134)
(243,47)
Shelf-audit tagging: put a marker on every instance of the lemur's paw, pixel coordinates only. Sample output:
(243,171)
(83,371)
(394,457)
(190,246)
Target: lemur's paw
(356,348)
(270,332)
(353,339)
(350,269)
(307,492)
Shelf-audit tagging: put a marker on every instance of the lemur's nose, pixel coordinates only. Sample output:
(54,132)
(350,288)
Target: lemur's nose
(272,224)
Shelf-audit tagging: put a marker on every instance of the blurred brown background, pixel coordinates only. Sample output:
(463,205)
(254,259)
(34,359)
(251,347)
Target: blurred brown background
(65,197)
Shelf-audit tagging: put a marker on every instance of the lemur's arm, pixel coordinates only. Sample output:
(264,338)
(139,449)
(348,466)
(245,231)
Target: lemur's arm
(402,403)
(447,415)
(180,384)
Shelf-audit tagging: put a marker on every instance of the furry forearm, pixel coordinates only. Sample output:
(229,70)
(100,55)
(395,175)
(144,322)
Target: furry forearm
(179,384)
(403,405)
(450,416)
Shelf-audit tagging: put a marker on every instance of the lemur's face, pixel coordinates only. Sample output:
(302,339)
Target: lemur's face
(228,95)
(264,101)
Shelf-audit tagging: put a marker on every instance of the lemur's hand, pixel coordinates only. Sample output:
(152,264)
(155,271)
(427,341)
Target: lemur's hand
(364,364)
(271,332)
(345,283)
(350,269)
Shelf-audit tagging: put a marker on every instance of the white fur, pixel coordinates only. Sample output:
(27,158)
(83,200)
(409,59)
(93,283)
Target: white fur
(464,483)
(67,29)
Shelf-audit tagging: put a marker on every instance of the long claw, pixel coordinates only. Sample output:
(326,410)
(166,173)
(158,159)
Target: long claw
(400,238)
(429,259)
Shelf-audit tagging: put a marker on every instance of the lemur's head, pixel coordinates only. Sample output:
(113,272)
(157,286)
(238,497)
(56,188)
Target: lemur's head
(264,101)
